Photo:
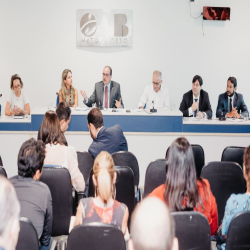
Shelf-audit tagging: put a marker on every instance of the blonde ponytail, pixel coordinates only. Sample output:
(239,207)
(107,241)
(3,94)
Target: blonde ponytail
(104,171)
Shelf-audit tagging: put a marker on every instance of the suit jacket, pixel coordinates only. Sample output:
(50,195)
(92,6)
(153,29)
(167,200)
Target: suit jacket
(222,107)
(109,139)
(97,96)
(204,103)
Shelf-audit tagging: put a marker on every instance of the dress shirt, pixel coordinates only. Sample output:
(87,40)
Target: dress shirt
(190,109)
(160,98)
(103,103)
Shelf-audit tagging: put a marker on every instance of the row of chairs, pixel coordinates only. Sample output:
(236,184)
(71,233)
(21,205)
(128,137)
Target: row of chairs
(191,229)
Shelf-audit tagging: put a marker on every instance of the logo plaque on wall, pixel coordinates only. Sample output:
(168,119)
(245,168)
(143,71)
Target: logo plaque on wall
(105,28)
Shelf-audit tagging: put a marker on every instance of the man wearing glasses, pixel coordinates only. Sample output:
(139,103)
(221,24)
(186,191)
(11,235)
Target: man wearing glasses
(155,95)
(107,93)
(196,101)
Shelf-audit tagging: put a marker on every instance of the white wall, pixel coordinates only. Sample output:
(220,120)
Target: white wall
(38,41)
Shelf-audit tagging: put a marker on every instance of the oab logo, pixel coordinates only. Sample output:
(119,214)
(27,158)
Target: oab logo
(104,28)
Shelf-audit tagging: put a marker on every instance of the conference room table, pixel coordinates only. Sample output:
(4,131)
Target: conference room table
(148,134)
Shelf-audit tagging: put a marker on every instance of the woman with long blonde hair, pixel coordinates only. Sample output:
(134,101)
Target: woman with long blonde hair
(68,93)
(103,208)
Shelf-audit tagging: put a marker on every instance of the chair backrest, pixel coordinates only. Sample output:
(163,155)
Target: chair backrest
(238,232)
(1,162)
(225,178)
(85,164)
(199,158)
(59,182)
(192,230)
(125,191)
(3,172)
(96,236)
(155,176)
(28,238)
(124,158)
(234,154)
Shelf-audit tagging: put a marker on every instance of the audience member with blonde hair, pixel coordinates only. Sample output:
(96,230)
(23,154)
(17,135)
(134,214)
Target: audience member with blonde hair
(237,202)
(9,215)
(68,93)
(103,208)
(17,102)
(56,152)
(152,227)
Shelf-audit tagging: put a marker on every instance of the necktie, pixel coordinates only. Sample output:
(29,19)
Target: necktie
(106,97)
(230,104)
(195,112)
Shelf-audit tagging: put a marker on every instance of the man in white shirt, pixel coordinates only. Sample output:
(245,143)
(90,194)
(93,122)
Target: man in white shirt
(155,95)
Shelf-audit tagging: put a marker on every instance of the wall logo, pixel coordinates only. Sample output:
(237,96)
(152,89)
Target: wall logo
(104,28)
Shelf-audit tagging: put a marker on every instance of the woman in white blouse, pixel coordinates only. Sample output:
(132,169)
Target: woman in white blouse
(56,152)
(17,102)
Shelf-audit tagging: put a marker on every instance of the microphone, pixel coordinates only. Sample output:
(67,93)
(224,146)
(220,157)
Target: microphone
(1,95)
(0,105)
(153,110)
(100,106)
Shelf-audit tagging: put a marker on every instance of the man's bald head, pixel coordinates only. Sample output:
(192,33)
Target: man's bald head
(152,226)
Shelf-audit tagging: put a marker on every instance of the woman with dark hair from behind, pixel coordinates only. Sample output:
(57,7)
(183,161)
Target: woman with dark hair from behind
(56,152)
(237,202)
(103,208)
(183,191)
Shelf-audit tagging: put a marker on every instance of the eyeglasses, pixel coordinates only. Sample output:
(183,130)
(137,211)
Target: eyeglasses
(17,87)
(105,74)
(157,83)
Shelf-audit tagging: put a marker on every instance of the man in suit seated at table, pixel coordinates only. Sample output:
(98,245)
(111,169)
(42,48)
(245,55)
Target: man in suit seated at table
(104,139)
(196,101)
(155,95)
(107,93)
(230,103)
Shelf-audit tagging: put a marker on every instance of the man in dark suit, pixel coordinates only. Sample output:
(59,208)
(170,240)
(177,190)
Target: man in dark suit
(104,139)
(231,104)
(196,101)
(107,93)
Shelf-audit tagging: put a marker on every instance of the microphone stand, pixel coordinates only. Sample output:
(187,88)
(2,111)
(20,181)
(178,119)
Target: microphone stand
(153,110)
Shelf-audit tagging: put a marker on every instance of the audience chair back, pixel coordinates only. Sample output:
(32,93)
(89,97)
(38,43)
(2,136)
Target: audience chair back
(124,158)
(3,172)
(125,191)
(238,232)
(1,162)
(85,164)
(199,158)
(96,236)
(59,182)
(234,154)
(225,178)
(28,238)
(192,230)
(155,176)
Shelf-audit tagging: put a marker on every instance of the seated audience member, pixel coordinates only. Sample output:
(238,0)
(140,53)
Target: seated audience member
(67,93)
(231,104)
(103,208)
(183,190)
(9,215)
(152,227)
(237,202)
(18,102)
(196,101)
(155,95)
(63,112)
(33,195)
(107,93)
(104,139)
(56,152)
